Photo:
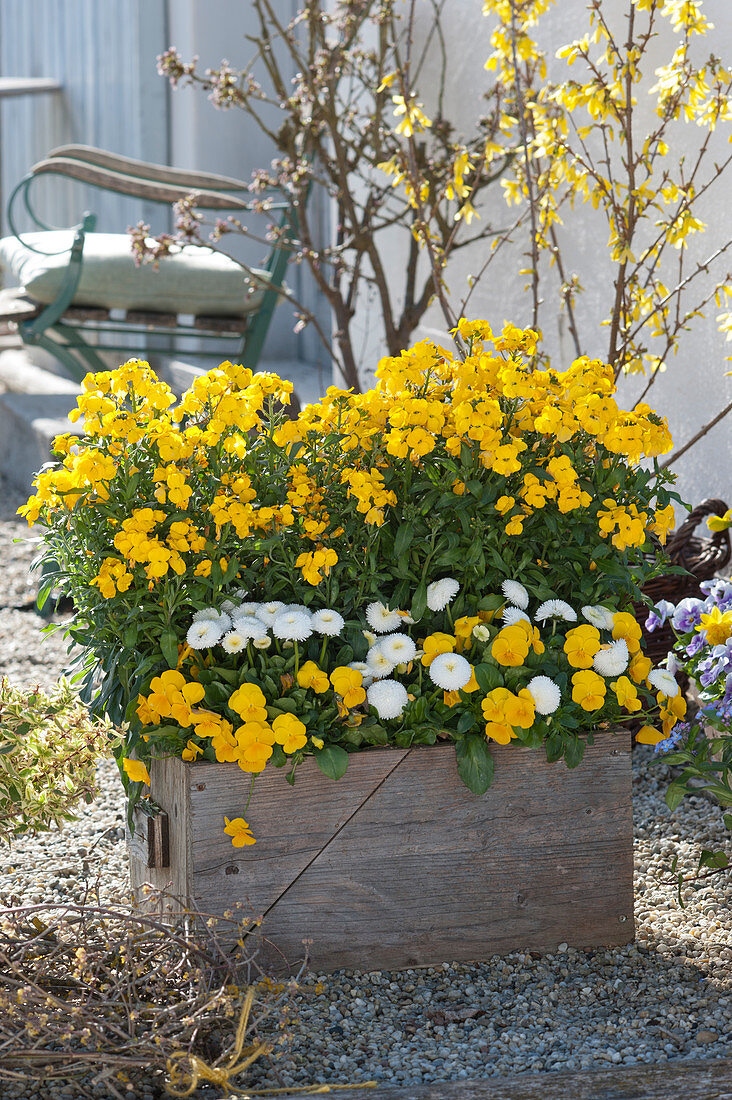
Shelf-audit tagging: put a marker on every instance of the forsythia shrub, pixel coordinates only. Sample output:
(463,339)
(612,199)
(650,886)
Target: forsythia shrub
(452,554)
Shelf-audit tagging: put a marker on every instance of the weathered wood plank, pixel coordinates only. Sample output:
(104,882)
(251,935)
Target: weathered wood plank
(427,871)
(397,864)
(710,1080)
(292,826)
(169,780)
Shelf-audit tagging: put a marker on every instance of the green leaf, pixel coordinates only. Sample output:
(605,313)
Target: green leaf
(419,603)
(231,571)
(474,763)
(554,747)
(466,721)
(574,751)
(715,860)
(403,538)
(674,795)
(169,647)
(344,655)
(727,818)
(491,603)
(278,757)
(488,677)
(332,761)
(375,735)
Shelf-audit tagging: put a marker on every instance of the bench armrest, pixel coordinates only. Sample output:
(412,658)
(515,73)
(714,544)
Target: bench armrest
(152,191)
(140,169)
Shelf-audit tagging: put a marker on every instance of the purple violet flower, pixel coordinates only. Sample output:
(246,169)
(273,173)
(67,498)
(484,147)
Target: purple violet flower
(687,615)
(658,615)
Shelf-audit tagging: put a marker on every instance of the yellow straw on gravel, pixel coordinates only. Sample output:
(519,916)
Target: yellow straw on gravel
(199,1071)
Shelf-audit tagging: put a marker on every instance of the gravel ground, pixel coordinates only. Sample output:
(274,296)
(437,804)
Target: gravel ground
(668,996)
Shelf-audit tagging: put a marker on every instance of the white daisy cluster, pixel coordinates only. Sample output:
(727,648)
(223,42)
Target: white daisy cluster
(390,650)
(235,625)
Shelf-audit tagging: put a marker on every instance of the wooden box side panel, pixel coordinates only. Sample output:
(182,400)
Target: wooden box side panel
(292,825)
(428,872)
(170,790)
(398,864)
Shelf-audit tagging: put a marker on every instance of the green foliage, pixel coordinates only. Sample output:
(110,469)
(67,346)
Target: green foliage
(49,747)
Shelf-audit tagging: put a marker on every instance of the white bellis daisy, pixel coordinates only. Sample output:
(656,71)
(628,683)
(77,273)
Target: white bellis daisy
(378,663)
(545,693)
(662,679)
(598,616)
(292,626)
(516,594)
(398,648)
(388,698)
(203,633)
(556,609)
(450,671)
(511,615)
(328,622)
(210,614)
(249,626)
(441,593)
(613,659)
(233,642)
(381,618)
(268,612)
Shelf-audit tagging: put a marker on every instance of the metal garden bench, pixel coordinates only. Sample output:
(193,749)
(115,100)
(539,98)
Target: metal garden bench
(75,285)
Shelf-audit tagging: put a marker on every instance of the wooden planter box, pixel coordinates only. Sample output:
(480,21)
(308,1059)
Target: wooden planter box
(397,864)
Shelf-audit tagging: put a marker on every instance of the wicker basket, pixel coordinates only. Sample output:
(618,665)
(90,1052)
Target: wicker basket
(703,558)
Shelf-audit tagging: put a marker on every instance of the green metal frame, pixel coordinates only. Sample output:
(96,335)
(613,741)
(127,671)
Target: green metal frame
(64,337)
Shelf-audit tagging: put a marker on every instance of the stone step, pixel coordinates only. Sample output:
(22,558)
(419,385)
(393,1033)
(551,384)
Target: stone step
(28,424)
(35,403)
(20,374)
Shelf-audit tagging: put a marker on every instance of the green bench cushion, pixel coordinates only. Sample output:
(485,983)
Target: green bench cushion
(191,280)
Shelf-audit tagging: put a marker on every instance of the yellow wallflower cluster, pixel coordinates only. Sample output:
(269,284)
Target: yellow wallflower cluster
(541,432)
